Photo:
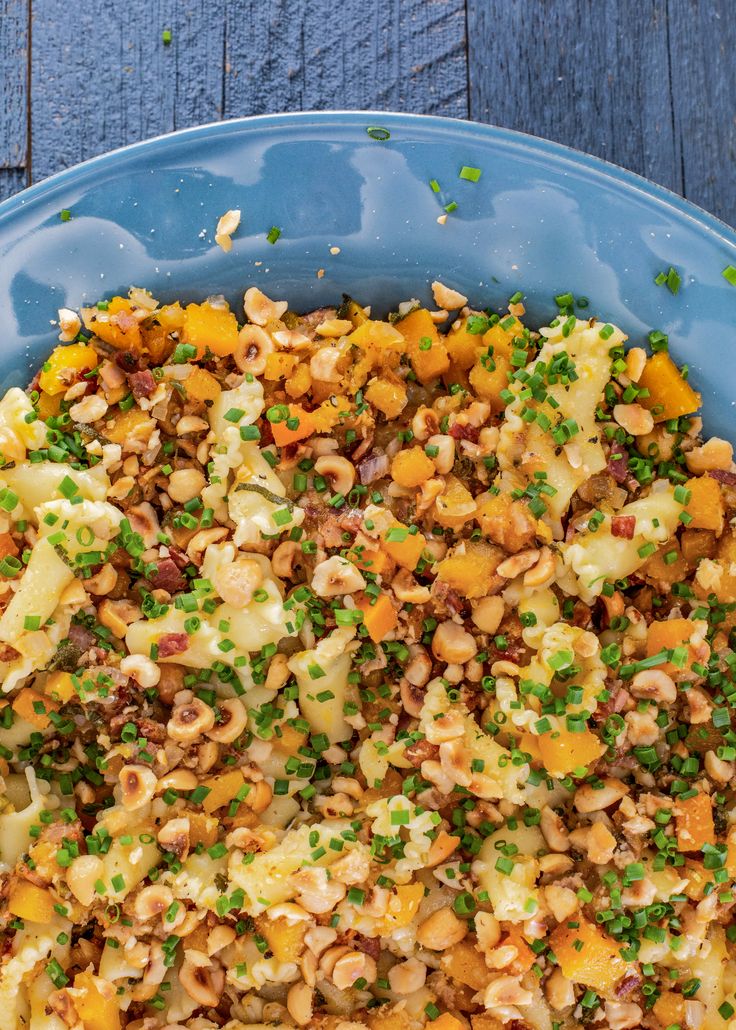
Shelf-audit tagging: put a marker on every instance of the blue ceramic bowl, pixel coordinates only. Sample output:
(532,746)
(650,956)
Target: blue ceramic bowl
(542,219)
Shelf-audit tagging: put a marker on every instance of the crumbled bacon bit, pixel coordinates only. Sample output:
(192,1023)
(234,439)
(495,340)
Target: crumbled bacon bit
(623,526)
(167,576)
(172,643)
(142,384)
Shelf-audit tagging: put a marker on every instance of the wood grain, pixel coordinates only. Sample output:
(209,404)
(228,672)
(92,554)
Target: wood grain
(12,180)
(592,75)
(13,83)
(292,55)
(702,42)
(104,77)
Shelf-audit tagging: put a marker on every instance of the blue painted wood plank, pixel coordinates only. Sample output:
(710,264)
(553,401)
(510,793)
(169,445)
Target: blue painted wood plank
(12,180)
(595,76)
(702,39)
(292,55)
(104,77)
(13,83)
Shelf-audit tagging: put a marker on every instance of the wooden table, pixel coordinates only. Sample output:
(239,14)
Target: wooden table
(649,84)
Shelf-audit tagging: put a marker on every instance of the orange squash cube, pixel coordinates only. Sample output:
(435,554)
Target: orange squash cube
(411,467)
(706,506)
(202,386)
(446,1022)
(124,332)
(123,424)
(65,365)
(404,547)
(206,327)
(283,434)
(223,789)
(670,394)
(694,822)
(388,395)
(463,962)
(425,347)
(471,573)
(563,752)
(463,347)
(60,686)
(455,506)
(202,829)
(33,707)
(403,905)
(597,963)
(97,1002)
(669,1009)
(27,901)
(285,939)
(670,634)
(379,617)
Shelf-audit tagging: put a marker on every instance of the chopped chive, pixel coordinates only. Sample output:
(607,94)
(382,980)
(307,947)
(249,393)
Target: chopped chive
(471,174)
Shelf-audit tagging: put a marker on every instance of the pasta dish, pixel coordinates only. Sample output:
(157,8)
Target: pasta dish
(364,672)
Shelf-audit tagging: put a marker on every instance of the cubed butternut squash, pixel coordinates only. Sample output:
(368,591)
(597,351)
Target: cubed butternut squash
(202,829)
(117,325)
(586,955)
(696,544)
(404,547)
(298,426)
(48,406)
(706,507)
(387,395)
(562,752)
(34,707)
(455,506)
(669,1010)
(123,424)
(463,346)
(403,905)
(299,381)
(411,467)
(377,338)
(223,789)
(32,903)
(670,396)
(330,412)
(8,546)
(279,365)
(488,378)
(465,963)
(171,317)
(65,365)
(97,1002)
(379,616)
(675,633)
(289,739)
(60,686)
(425,347)
(394,1017)
(470,572)
(157,343)
(201,385)
(694,822)
(210,328)
(284,938)
(446,1022)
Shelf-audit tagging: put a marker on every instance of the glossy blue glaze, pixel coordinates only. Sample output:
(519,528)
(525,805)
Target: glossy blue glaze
(542,219)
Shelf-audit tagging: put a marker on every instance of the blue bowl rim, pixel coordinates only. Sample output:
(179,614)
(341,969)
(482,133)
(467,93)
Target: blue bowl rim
(354,119)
